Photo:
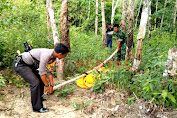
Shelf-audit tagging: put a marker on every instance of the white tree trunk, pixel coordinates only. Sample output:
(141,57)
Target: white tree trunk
(141,35)
(163,15)
(96,19)
(155,26)
(103,25)
(171,64)
(124,16)
(138,14)
(89,10)
(130,30)
(53,23)
(113,11)
(149,22)
(49,36)
(174,20)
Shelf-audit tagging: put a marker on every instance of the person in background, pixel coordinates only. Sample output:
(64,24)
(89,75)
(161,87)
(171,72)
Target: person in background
(121,43)
(109,33)
(34,66)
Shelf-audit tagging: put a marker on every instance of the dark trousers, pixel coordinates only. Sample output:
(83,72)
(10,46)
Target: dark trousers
(109,42)
(30,75)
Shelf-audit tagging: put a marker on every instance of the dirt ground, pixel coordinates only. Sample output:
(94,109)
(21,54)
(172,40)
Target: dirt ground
(15,103)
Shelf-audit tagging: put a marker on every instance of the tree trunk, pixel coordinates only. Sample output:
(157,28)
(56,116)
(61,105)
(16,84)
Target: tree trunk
(113,11)
(149,22)
(49,36)
(155,26)
(124,16)
(103,25)
(141,35)
(96,19)
(89,10)
(64,35)
(53,23)
(171,64)
(54,29)
(174,20)
(163,15)
(130,30)
(138,14)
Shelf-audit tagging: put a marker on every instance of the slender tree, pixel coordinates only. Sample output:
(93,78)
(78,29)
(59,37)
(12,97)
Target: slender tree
(174,20)
(141,35)
(149,22)
(89,10)
(52,21)
(155,20)
(130,30)
(163,15)
(113,10)
(138,14)
(64,34)
(96,19)
(124,16)
(54,30)
(103,25)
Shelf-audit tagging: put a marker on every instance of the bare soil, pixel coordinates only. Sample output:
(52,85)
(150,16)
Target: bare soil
(16,103)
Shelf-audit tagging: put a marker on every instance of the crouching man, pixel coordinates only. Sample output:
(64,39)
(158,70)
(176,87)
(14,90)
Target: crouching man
(34,66)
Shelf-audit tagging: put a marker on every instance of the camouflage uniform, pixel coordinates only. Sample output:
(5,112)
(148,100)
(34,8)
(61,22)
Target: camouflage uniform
(121,37)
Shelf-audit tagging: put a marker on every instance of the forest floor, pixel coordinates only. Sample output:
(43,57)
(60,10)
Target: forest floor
(16,103)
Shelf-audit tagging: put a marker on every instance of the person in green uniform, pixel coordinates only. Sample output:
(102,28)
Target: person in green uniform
(121,38)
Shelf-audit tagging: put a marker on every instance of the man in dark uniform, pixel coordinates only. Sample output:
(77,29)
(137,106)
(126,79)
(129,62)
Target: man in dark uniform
(121,43)
(34,66)
(109,32)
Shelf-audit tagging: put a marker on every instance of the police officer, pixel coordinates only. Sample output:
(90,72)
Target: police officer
(34,66)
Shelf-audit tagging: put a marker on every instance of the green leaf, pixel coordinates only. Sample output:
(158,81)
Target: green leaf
(171,97)
(164,94)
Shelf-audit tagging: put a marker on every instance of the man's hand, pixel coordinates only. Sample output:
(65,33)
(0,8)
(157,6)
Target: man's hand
(47,90)
(51,89)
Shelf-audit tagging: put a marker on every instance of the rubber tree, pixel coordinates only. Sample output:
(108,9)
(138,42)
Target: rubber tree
(130,30)
(64,34)
(103,25)
(124,16)
(174,20)
(163,15)
(96,19)
(155,20)
(113,10)
(138,14)
(51,16)
(141,35)
(149,21)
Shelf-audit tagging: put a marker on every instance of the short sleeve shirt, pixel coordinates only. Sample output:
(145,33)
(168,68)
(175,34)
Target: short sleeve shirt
(44,58)
(121,36)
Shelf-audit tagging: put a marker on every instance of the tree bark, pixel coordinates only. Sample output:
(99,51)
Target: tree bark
(124,16)
(113,11)
(163,15)
(89,10)
(149,22)
(52,21)
(130,30)
(155,20)
(103,25)
(174,20)
(171,64)
(64,35)
(141,35)
(96,19)
(138,14)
